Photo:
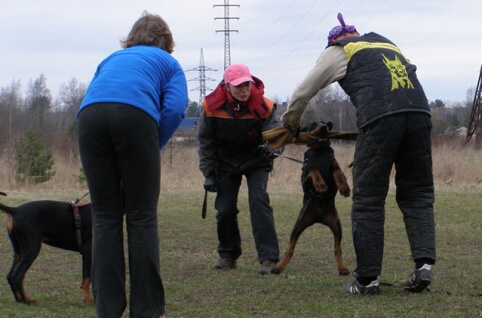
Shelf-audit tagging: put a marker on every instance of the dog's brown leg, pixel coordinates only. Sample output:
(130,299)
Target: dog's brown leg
(24,255)
(13,286)
(318,181)
(332,220)
(14,276)
(20,294)
(342,269)
(340,179)
(85,286)
(305,220)
(25,299)
(29,301)
(281,265)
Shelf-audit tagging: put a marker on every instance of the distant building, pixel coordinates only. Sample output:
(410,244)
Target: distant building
(188,123)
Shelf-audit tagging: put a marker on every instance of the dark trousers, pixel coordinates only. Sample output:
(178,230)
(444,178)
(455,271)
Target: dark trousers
(120,155)
(262,220)
(403,140)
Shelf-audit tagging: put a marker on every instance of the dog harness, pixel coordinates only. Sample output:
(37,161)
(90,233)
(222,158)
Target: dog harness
(78,221)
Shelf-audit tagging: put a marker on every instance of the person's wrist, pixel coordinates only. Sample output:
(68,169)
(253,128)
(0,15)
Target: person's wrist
(294,130)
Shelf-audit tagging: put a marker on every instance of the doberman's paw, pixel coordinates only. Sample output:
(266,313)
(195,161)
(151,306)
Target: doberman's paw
(277,270)
(318,182)
(343,271)
(345,191)
(88,301)
(31,302)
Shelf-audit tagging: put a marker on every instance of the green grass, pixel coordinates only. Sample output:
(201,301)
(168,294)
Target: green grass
(310,285)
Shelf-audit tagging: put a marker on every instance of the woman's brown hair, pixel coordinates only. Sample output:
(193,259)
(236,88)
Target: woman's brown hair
(150,29)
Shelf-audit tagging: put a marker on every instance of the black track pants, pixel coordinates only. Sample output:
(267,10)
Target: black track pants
(120,154)
(262,219)
(404,140)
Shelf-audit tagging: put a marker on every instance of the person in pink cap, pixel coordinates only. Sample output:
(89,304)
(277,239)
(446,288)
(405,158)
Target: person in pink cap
(394,127)
(231,145)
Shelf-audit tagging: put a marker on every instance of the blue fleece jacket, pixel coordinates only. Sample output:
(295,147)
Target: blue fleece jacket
(145,77)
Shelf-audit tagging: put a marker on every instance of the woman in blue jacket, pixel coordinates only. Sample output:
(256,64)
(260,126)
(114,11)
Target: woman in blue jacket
(133,105)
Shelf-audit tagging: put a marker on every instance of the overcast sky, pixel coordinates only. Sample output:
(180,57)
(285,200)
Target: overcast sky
(279,40)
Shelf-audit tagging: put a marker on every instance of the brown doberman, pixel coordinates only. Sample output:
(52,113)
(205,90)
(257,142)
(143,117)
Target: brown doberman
(321,179)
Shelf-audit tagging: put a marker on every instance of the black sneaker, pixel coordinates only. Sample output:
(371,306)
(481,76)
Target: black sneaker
(225,263)
(356,288)
(266,267)
(419,279)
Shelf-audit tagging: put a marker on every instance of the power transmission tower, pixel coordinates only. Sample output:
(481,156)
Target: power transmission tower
(201,78)
(476,115)
(227,30)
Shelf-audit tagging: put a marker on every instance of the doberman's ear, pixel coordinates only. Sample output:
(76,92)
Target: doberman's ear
(318,127)
(3,193)
(324,127)
(330,125)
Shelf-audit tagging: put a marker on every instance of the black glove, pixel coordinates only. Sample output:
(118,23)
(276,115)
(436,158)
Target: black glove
(210,184)
(279,151)
(271,153)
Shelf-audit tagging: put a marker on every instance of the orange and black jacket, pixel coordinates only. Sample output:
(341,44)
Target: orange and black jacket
(230,133)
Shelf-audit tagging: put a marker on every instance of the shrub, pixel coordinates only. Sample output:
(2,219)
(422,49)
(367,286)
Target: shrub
(33,162)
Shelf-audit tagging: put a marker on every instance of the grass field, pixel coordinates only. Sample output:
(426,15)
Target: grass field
(310,285)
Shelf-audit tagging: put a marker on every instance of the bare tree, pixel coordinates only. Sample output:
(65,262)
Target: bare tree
(39,102)
(71,95)
(70,98)
(332,104)
(10,104)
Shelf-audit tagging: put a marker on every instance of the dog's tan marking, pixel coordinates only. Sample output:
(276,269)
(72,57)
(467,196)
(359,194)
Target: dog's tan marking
(85,286)
(340,179)
(9,223)
(318,181)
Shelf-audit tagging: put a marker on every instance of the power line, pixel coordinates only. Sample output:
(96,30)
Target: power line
(227,30)
(201,78)
(476,115)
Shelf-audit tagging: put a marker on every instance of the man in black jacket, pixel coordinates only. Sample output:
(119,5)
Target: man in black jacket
(231,145)
(394,126)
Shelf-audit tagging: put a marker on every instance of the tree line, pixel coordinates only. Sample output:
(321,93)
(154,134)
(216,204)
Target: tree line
(332,104)
(52,121)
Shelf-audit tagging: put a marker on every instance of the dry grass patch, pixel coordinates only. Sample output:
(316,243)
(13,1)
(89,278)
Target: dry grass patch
(309,287)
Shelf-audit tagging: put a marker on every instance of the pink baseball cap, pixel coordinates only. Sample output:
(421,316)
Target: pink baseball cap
(236,74)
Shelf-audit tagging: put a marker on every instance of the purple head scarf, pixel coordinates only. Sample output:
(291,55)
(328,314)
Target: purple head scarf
(340,29)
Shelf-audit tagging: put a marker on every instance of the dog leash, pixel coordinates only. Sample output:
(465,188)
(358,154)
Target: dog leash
(78,200)
(289,158)
(205,204)
(204,208)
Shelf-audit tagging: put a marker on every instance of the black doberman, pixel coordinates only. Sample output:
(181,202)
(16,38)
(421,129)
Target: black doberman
(54,223)
(321,179)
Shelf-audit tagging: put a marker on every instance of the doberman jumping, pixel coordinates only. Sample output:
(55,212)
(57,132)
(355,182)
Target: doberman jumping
(321,179)
(66,225)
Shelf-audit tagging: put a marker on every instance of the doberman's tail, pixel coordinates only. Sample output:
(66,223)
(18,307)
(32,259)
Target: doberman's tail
(5,208)
(9,211)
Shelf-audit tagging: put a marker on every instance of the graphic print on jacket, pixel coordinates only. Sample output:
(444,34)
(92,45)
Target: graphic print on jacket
(399,73)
